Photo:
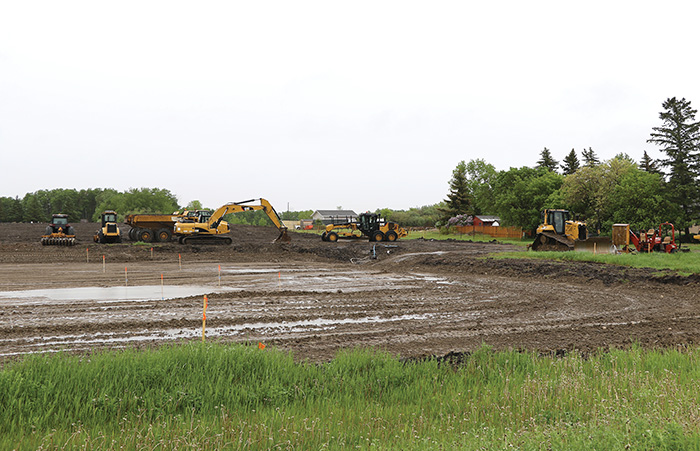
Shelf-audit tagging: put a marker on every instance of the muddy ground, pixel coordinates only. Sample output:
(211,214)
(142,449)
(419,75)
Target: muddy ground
(413,298)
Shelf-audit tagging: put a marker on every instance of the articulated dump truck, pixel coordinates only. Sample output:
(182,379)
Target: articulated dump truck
(158,227)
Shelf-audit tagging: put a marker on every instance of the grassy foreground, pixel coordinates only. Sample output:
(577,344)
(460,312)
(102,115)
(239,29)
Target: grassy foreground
(213,396)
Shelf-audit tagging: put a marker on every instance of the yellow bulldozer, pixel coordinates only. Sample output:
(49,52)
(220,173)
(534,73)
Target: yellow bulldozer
(558,232)
(212,228)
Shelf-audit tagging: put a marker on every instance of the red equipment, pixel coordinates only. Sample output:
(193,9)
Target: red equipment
(656,240)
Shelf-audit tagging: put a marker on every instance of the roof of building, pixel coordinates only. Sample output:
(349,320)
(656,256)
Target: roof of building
(488,218)
(329,213)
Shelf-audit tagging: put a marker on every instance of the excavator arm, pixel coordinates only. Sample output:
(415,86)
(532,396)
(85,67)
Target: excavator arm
(212,225)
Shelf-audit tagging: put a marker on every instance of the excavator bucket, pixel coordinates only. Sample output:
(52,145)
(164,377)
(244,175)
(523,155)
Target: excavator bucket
(284,237)
(597,245)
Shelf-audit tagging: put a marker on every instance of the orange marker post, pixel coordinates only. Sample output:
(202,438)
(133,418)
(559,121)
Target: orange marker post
(204,316)
(279,279)
(151,253)
(104,267)
(87,255)
(219,275)
(179,259)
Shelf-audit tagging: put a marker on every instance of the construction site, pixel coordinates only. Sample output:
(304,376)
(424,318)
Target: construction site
(412,297)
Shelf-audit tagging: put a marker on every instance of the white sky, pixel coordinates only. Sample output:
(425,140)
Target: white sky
(315,105)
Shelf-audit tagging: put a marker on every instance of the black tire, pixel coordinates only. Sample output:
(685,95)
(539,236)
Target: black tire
(378,236)
(324,236)
(228,240)
(164,235)
(181,240)
(132,234)
(145,235)
(391,236)
(100,237)
(332,237)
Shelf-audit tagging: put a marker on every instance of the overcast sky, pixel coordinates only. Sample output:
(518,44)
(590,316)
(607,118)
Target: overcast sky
(316,105)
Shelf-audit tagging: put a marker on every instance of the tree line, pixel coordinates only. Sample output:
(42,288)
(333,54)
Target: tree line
(85,204)
(619,190)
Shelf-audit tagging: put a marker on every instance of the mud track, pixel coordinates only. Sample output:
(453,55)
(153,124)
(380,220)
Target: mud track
(416,298)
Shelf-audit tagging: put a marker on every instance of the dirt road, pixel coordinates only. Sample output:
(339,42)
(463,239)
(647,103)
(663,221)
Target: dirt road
(413,298)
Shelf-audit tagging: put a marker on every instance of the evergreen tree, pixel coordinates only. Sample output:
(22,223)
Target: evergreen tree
(590,158)
(571,163)
(547,161)
(648,164)
(458,200)
(679,138)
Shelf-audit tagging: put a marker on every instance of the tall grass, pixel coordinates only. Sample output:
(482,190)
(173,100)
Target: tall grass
(682,262)
(211,396)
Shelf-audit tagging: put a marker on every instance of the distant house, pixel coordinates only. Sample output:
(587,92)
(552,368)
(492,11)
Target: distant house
(334,216)
(488,221)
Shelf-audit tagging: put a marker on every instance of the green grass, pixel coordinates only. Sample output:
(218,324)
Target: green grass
(682,262)
(436,235)
(212,396)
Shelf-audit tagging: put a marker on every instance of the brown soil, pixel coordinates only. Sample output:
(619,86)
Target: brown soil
(416,298)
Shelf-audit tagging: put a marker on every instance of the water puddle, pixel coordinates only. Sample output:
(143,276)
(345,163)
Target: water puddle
(111,294)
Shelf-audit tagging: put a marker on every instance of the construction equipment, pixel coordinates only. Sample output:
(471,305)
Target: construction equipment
(109,231)
(59,232)
(368,225)
(560,233)
(210,228)
(158,227)
(662,239)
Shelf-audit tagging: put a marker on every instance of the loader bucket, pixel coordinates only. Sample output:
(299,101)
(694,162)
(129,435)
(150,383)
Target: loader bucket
(597,245)
(284,238)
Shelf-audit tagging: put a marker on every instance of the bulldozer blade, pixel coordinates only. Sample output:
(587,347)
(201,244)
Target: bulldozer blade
(597,245)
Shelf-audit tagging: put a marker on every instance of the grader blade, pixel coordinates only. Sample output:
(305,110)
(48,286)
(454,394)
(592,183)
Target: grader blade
(597,245)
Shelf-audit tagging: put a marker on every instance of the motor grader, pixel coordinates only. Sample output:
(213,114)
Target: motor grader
(109,231)
(59,232)
(211,228)
(558,232)
(368,225)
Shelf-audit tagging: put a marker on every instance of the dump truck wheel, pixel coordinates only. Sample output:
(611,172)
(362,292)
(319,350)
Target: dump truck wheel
(132,233)
(145,235)
(332,237)
(164,235)
(391,236)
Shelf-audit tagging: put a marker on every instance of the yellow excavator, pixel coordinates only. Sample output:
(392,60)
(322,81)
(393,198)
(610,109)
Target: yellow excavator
(212,228)
(560,233)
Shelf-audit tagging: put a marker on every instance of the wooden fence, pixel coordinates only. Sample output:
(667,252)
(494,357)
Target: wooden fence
(496,232)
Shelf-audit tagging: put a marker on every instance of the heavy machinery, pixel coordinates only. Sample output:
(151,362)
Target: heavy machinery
(662,239)
(368,225)
(59,232)
(560,233)
(210,228)
(155,227)
(109,231)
